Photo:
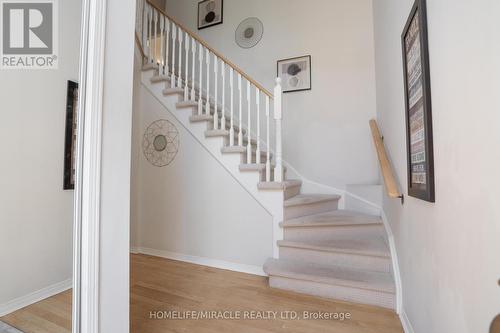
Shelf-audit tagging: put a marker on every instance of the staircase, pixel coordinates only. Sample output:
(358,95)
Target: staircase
(319,249)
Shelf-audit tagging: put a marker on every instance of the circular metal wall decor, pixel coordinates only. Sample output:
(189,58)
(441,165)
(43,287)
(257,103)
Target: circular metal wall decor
(160,143)
(249,32)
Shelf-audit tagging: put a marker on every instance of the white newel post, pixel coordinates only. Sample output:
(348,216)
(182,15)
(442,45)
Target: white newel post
(278,116)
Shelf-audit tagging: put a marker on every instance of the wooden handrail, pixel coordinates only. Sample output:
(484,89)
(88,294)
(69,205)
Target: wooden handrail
(141,49)
(220,56)
(389,179)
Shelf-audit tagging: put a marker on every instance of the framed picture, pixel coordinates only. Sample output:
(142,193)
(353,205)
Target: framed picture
(210,13)
(295,73)
(70,136)
(418,105)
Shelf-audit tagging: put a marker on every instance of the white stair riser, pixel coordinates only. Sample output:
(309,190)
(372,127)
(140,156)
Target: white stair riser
(333,232)
(310,209)
(338,292)
(362,262)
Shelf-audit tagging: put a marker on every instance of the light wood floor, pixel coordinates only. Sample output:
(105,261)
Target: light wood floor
(165,285)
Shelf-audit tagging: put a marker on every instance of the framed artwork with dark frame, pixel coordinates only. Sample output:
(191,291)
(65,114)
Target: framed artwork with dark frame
(210,13)
(70,136)
(418,105)
(295,73)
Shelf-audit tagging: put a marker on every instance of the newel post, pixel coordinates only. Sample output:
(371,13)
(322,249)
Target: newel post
(278,116)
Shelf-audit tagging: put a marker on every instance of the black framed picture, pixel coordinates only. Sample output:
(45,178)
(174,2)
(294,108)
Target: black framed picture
(70,136)
(295,73)
(418,105)
(210,13)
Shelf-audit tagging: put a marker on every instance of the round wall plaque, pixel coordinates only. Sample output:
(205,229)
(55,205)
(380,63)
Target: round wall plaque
(160,143)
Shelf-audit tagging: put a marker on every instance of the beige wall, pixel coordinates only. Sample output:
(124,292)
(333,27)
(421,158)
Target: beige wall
(449,252)
(36,220)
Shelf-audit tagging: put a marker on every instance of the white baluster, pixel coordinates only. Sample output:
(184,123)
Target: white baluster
(156,39)
(193,57)
(180,35)
(200,99)
(167,42)
(150,26)
(249,125)
(257,101)
(240,134)
(145,27)
(216,75)
(268,162)
(162,62)
(174,38)
(186,74)
(223,73)
(231,85)
(207,62)
(278,116)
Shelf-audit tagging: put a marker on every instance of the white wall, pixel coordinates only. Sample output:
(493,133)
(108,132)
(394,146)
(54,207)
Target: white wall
(35,213)
(326,134)
(116,161)
(448,251)
(193,206)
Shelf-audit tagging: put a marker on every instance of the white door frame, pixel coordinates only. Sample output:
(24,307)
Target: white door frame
(88,170)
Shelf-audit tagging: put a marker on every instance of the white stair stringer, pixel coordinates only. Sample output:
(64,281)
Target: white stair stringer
(272,201)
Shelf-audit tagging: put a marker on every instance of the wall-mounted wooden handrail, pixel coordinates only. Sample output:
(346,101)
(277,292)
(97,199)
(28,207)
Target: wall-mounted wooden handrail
(220,56)
(387,172)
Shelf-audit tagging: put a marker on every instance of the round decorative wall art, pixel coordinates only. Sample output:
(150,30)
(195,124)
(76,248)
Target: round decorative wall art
(249,32)
(160,143)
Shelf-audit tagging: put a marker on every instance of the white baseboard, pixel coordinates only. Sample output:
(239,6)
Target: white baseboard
(405,322)
(222,264)
(395,264)
(34,297)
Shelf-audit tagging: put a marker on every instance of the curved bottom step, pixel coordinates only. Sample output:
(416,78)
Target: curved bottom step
(335,282)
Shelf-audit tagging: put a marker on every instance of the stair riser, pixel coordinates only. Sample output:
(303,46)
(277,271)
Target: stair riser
(333,232)
(291,191)
(362,262)
(342,293)
(310,209)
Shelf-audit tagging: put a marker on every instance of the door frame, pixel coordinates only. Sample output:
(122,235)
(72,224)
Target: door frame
(86,252)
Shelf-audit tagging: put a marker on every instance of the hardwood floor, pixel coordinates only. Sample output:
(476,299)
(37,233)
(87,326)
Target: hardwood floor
(160,285)
(52,315)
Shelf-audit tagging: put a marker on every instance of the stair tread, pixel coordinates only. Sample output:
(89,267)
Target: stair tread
(371,247)
(333,218)
(239,150)
(305,199)
(280,185)
(168,91)
(252,166)
(335,275)
(185,104)
(160,78)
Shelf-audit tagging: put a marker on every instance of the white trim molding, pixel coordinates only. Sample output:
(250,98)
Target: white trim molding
(88,173)
(395,264)
(203,261)
(34,297)
(405,321)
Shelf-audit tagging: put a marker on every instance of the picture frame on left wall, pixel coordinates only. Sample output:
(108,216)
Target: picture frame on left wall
(210,13)
(70,136)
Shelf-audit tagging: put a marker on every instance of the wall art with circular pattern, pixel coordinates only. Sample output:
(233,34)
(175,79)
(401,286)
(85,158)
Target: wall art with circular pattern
(160,143)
